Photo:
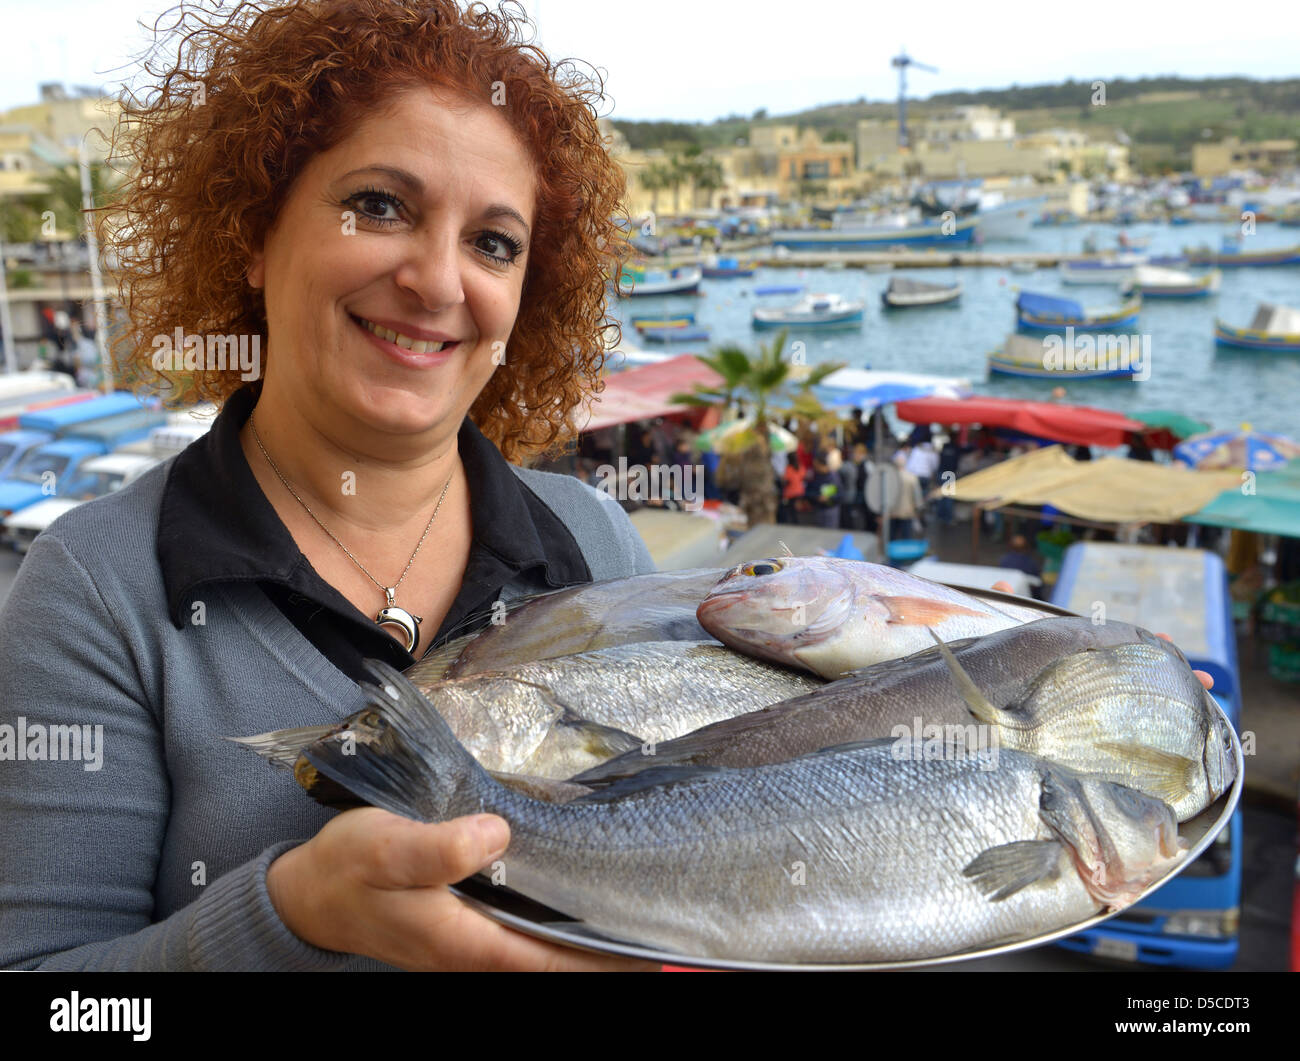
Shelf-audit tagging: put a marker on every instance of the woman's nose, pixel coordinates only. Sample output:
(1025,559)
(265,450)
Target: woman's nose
(431,270)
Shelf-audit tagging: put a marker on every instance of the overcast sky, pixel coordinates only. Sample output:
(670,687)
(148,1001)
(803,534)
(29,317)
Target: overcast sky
(692,60)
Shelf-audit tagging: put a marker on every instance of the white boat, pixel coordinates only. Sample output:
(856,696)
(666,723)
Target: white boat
(905,293)
(813,310)
(1113,270)
(1154,282)
(637,282)
(1007,219)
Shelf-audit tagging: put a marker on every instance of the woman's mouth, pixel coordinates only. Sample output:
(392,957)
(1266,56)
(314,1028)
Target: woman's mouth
(391,338)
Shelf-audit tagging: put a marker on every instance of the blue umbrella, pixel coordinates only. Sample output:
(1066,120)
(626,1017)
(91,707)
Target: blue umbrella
(1255,451)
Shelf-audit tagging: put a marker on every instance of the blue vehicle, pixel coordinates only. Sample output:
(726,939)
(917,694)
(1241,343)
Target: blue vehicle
(1191,921)
(14,445)
(62,417)
(52,470)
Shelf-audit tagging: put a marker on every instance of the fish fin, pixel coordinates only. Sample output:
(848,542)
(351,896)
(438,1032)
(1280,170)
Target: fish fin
(922,611)
(1173,774)
(999,872)
(420,772)
(546,789)
(282,747)
(975,700)
(651,777)
(598,739)
(435,664)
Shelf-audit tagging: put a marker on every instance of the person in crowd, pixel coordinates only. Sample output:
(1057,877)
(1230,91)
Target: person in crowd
(906,517)
(823,490)
(1019,557)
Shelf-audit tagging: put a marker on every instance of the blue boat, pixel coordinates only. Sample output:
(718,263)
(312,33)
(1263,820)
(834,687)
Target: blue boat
(663,320)
(779,289)
(954,233)
(812,311)
(1051,313)
(675,335)
(727,267)
(1275,329)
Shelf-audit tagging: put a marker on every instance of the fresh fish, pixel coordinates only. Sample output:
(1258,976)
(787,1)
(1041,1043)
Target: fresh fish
(913,692)
(855,854)
(832,616)
(1133,713)
(558,717)
(656,607)
(1108,699)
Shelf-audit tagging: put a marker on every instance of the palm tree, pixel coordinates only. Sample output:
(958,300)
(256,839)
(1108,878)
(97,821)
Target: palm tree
(706,176)
(655,179)
(765,383)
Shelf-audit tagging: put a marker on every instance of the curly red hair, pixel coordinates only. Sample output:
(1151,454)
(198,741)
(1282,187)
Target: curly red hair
(252,94)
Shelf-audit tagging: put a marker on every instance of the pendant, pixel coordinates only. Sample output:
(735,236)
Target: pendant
(392,615)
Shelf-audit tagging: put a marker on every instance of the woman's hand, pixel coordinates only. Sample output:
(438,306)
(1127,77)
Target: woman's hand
(1206,680)
(374,883)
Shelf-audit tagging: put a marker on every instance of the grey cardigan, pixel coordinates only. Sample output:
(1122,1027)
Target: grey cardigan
(156,860)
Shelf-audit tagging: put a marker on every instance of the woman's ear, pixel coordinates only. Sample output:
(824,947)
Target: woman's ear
(257,271)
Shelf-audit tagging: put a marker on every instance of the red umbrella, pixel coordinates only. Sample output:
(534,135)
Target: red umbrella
(1075,424)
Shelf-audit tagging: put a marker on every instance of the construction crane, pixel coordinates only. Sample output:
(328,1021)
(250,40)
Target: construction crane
(902,60)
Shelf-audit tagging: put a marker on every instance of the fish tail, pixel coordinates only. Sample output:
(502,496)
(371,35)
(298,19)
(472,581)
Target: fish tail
(425,773)
(282,747)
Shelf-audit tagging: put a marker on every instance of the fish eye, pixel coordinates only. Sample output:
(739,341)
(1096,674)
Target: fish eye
(763,567)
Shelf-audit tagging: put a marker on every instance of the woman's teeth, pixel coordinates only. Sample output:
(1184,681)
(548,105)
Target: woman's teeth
(416,346)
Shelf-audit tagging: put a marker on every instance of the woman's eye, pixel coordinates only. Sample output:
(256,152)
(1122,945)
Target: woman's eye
(499,246)
(377,206)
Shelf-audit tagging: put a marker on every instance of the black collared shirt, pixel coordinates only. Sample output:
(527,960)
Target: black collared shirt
(216,525)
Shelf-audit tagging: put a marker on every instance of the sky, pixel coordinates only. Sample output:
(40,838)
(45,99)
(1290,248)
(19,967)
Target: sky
(695,60)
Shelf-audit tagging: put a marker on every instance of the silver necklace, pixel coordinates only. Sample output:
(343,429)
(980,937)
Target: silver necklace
(390,614)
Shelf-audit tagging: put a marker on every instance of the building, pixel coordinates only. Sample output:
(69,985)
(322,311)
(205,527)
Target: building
(1218,160)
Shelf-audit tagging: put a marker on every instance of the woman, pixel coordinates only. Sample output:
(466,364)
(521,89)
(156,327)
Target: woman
(415,215)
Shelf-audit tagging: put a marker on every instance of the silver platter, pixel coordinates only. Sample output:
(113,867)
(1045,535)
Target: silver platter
(523,915)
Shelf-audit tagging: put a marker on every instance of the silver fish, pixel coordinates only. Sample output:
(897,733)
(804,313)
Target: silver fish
(558,717)
(1109,699)
(832,616)
(656,607)
(855,854)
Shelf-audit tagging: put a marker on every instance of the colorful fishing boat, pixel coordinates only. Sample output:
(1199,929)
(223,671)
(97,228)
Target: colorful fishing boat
(1274,328)
(727,267)
(1150,281)
(1226,256)
(1034,357)
(957,231)
(812,311)
(637,281)
(1051,313)
(674,320)
(905,293)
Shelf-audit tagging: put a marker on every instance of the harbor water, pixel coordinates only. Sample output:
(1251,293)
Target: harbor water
(1188,373)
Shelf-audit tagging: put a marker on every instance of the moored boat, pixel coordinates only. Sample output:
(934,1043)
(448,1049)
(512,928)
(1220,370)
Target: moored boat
(1274,328)
(639,282)
(956,231)
(1111,270)
(1050,313)
(663,320)
(1228,257)
(675,335)
(1030,357)
(813,310)
(727,267)
(1150,281)
(905,293)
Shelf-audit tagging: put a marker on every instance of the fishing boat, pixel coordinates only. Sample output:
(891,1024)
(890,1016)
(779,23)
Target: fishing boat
(956,231)
(1029,357)
(1274,328)
(675,335)
(1117,269)
(727,267)
(637,281)
(1050,313)
(1229,257)
(778,289)
(1150,281)
(672,320)
(906,293)
(1003,219)
(813,310)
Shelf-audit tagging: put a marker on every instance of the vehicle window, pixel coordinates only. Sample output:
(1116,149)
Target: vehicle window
(33,466)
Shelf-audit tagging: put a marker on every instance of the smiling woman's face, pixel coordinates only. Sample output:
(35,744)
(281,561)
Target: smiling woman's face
(411,231)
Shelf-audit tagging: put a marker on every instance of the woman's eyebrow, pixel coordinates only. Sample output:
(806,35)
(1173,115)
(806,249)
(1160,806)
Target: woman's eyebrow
(411,181)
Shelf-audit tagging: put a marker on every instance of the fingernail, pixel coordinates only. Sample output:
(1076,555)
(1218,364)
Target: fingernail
(493,834)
